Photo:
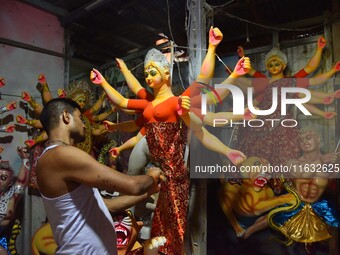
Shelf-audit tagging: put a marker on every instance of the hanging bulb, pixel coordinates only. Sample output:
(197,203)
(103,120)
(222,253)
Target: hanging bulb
(247,39)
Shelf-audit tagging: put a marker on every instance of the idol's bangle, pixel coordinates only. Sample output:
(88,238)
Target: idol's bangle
(3,109)
(31,122)
(26,163)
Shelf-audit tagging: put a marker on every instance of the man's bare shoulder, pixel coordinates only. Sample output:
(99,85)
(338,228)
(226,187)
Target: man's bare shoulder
(61,160)
(57,155)
(53,170)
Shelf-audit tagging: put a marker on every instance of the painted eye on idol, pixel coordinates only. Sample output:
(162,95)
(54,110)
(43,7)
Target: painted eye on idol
(151,72)
(272,64)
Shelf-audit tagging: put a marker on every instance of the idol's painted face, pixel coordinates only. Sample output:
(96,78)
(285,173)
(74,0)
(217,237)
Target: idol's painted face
(153,76)
(123,227)
(5,179)
(308,141)
(275,66)
(81,100)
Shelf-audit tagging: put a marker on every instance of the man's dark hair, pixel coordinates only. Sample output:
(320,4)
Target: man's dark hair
(51,112)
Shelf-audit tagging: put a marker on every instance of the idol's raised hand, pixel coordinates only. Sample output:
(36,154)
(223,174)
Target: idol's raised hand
(183,105)
(96,77)
(243,66)
(11,106)
(2,81)
(121,64)
(114,153)
(322,42)
(337,66)
(215,36)
(236,157)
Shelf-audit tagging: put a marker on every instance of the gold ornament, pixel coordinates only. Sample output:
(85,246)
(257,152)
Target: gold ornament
(80,89)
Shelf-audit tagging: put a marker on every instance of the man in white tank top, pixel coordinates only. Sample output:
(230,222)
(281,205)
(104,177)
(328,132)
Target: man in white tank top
(68,179)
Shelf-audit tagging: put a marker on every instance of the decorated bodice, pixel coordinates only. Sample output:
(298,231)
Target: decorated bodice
(165,111)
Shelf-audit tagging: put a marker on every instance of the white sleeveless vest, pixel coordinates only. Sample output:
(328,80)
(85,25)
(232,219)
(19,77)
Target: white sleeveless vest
(81,222)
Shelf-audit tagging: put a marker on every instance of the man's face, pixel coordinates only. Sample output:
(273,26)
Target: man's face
(308,141)
(78,127)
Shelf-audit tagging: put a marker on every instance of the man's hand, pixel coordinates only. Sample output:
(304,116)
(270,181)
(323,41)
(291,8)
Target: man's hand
(322,42)
(215,36)
(153,189)
(156,174)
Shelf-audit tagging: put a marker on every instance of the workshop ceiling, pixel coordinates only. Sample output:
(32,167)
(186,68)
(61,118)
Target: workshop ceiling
(101,30)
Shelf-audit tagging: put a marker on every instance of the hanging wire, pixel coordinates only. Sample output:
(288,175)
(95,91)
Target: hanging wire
(337,146)
(270,27)
(136,66)
(190,48)
(195,49)
(34,97)
(169,21)
(10,95)
(220,6)
(172,38)
(180,75)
